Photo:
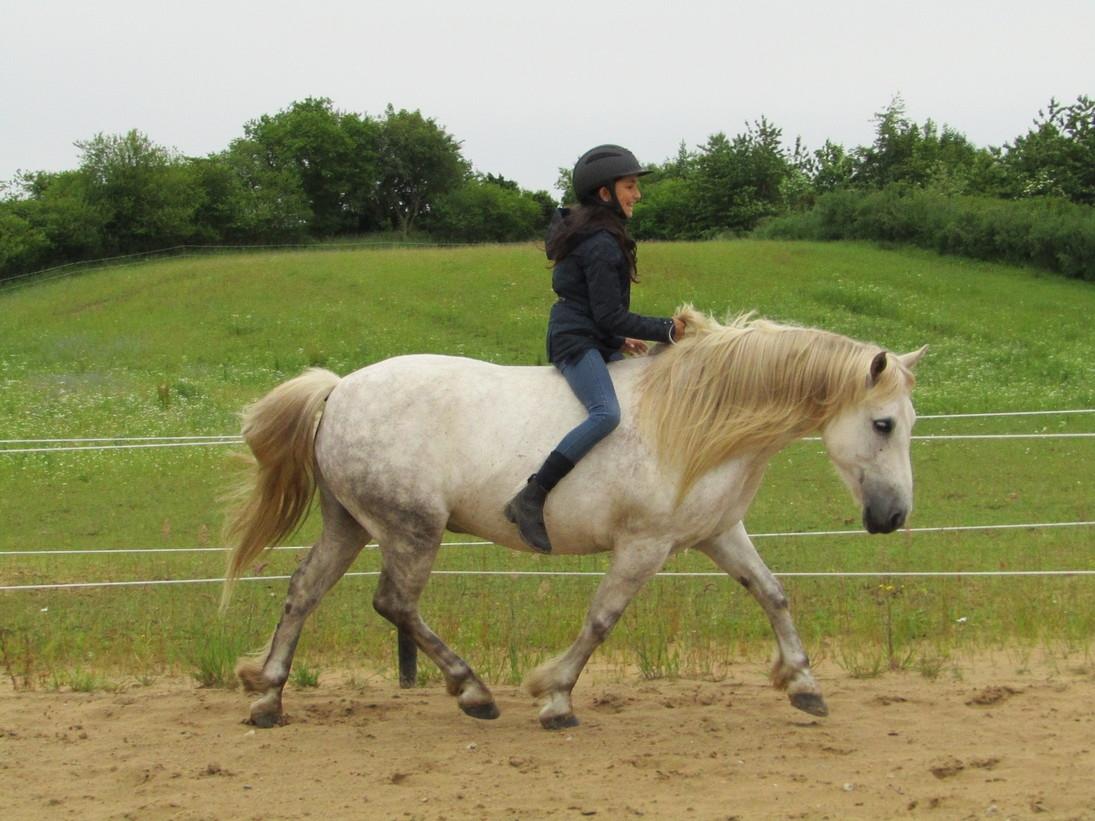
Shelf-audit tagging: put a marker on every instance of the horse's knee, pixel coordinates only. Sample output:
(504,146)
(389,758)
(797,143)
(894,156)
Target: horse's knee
(395,607)
(390,607)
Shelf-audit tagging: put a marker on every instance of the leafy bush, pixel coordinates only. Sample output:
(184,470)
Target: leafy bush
(1047,233)
(485,211)
(22,245)
(666,211)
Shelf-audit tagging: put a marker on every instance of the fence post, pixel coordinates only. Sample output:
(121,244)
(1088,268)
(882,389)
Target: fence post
(408,659)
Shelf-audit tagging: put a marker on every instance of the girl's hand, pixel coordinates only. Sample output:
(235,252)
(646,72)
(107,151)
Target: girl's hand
(634,346)
(678,329)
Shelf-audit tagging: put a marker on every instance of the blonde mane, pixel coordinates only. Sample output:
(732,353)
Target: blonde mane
(750,386)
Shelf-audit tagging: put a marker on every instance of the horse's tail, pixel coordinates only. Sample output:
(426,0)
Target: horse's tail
(270,503)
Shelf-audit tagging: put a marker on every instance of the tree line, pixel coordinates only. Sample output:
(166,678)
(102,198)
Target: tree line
(312,172)
(1027,202)
(308,172)
(731,184)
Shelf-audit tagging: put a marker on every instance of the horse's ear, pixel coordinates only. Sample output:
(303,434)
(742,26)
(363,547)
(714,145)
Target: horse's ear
(878,365)
(909,360)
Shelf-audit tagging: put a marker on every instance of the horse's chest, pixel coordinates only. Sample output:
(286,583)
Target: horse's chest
(719,502)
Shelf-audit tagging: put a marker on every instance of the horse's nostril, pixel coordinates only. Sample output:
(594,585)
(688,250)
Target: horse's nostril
(881,522)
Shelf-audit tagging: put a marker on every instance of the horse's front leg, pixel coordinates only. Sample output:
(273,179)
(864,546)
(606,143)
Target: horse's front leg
(733,551)
(633,564)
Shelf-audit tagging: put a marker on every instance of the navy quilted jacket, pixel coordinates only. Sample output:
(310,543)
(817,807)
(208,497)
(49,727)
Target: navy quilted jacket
(593,283)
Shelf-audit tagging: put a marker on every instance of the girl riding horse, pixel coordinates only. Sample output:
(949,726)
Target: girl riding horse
(591,324)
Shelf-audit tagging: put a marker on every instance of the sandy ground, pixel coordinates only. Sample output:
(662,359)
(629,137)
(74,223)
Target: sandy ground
(997,742)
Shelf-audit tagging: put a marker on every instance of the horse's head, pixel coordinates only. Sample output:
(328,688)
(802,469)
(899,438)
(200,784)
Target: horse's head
(868,442)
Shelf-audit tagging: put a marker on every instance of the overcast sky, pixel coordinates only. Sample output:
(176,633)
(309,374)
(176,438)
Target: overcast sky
(528,86)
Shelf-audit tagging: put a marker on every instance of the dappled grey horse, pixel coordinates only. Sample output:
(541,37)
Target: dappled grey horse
(403,449)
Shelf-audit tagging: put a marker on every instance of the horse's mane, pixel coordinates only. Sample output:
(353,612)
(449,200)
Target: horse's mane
(750,386)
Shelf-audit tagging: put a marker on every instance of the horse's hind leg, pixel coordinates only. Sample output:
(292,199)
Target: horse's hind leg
(632,565)
(407,565)
(733,551)
(340,542)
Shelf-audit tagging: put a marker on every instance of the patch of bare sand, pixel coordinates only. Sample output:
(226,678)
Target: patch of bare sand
(995,742)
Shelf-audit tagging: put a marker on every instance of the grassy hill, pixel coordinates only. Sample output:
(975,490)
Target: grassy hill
(216,331)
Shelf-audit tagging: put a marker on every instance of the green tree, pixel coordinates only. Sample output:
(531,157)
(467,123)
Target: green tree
(889,158)
(23,246)
(335,156)
(548,207)
(666,211)
(59,206)
(564,184)
(484,209)
(833,168)
(1057,156)
(922,156)
(419,162)
(265,202)
(143,192)
(738,182)
(215,218)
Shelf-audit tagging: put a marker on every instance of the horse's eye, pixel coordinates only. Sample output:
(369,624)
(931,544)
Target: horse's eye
(883,425)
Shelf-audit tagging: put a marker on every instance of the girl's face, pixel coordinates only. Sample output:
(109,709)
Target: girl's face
(627,194)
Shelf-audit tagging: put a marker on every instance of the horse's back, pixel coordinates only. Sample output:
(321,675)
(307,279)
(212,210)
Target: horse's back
(459,419)
(452,434)
(448,390)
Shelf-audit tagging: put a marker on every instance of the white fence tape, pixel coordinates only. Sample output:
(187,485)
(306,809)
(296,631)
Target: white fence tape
(1004,413)
(68,448)
(200,440)
(115,551)
(575,573)
(564,573)
(231,436)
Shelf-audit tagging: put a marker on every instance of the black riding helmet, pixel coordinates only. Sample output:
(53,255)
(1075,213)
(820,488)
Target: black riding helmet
(603,165)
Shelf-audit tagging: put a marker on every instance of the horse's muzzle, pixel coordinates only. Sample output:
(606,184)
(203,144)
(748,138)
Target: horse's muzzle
(883,518)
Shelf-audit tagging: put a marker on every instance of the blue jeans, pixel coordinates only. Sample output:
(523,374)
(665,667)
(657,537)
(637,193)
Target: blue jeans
(588,377)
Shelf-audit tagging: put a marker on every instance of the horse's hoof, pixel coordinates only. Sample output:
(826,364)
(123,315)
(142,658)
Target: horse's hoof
(265,721)
(810,703)
(487,712)
(559,722)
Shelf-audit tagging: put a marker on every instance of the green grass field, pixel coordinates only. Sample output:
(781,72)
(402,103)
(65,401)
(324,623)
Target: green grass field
(178,347)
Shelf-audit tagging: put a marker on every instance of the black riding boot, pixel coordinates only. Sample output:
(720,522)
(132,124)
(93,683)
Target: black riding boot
(526,509)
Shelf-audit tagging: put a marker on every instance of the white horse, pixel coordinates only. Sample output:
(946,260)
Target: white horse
(403,449)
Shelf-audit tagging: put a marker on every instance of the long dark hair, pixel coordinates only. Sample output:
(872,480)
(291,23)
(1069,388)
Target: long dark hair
(584,220)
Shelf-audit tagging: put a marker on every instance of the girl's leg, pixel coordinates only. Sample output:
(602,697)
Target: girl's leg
(589,379)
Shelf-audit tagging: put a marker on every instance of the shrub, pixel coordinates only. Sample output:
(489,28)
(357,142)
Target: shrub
(22,246)
(666,211)
(484,211)
(1048,233)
